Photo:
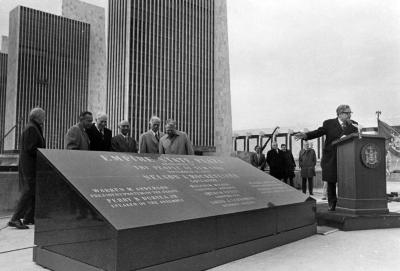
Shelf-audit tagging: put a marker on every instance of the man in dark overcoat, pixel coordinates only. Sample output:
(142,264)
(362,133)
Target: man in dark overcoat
(333,129)
(123,142)
(275,161)
(289,165)
(99,135)
(31,139)
(257,159)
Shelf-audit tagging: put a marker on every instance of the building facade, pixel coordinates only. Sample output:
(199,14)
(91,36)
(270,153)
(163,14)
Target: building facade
(164,59)
(48,66)
(3,89)
(95,16)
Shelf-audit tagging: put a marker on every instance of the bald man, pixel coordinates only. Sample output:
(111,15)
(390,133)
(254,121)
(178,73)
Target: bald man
(123,142)
(99,135)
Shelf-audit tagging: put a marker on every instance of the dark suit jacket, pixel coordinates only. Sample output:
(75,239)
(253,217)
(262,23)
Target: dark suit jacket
(120,144)
(31,140)
(148,143)
(258,162)
(288,164)
(276,163)
(98,141)
(332,129)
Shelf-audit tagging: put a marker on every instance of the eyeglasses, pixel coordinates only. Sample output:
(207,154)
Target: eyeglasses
(348,113)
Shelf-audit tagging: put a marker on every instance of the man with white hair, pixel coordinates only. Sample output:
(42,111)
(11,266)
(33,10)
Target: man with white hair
(148,141)
(175,142)
(99,135)
(31,140)
(332,129)
(123,142)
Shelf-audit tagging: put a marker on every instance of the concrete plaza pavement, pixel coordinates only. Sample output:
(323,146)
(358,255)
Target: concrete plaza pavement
(368,250)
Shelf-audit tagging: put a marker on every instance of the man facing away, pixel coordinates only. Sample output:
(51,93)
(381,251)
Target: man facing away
(333,129)
(148,141)
(76,137)
(99,135)
(31,140)
(175,142)
(275,161)
(123,142)
(257,159)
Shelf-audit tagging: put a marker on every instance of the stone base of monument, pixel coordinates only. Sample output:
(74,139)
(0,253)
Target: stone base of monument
(55,261)
(347,221)
(119,212)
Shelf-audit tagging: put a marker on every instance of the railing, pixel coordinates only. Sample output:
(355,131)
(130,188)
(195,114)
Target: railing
(12,128)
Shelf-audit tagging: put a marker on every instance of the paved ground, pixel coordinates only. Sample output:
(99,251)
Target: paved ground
(371,250)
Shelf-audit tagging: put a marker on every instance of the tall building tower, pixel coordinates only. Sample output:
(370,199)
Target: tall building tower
(48,66)
(3,88)
(165,58)
(95,16)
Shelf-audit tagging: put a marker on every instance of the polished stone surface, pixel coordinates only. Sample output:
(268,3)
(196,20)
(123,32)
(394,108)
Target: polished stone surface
(122,212)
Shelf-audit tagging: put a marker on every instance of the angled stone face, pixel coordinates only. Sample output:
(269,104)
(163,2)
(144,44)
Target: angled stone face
(128,212)
(95,17)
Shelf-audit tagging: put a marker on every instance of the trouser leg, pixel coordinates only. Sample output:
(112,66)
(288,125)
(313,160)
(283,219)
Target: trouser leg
(332,198)
(24,202)
(304,185)
(310,185)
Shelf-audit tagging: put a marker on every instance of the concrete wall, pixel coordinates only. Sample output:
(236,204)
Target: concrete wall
(222,100)
(12,76)
(4,44)
(9,191)
(95,16)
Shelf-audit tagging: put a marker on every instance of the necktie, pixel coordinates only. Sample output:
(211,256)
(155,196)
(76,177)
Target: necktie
(157,137)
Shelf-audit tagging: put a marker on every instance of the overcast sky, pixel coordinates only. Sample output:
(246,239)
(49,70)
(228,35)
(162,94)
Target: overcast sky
(294,61)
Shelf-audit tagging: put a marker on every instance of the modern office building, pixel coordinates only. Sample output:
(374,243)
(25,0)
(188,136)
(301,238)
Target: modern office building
(170,58)
(3,89)
(48,66)
(95,16)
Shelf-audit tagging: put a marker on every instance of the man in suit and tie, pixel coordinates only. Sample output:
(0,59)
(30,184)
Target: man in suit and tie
(275,161)
(333,129)
(31,140)
(148,141)
(257,159)
(99,135)
(123,142)
(76,137)
(175,142)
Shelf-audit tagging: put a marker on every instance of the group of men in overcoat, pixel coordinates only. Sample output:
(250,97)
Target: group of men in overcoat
(86,135)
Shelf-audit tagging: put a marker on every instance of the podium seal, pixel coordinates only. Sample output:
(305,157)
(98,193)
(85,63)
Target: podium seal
(370,155)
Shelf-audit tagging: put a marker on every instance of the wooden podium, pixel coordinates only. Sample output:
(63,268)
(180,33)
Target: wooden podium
(362,200)
(361,166)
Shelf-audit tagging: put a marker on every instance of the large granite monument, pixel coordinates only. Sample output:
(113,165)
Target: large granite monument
(115,211)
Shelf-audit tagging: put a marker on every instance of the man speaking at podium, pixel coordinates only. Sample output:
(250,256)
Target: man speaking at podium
(333,129)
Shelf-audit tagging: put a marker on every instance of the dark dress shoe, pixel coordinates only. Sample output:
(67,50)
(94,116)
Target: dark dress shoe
(17,224)
(332,206)
(28,222)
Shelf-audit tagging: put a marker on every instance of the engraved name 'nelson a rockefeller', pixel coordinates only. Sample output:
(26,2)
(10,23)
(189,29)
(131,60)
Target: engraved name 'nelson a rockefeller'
(171,208)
